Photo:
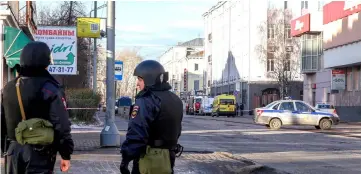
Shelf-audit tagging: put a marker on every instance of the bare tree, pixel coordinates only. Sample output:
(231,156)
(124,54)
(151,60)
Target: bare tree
(131,59)
(281,53)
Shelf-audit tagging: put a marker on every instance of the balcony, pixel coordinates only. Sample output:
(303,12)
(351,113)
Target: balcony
(28,19)
(24,15)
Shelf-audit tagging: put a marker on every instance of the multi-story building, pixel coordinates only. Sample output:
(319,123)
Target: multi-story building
(17,28)
(235,32)
(185,65)
(333,65)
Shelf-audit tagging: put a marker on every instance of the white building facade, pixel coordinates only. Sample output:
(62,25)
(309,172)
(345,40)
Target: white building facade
(185,65)
(232,35)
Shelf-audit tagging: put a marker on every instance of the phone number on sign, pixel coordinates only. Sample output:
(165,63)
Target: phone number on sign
(61,69)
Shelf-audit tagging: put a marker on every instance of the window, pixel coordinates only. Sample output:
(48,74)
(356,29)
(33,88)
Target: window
(356,78)
(320,5)
(209,83)
(271,104)
(285,5)
(288,62)
(196,85)
(226,101)
(270,62)
(301,107)
(287,106)
(210,58)
(311,52)
(349,79)
(288,32)
(271,31)
(196,67)
(276,106)
(198,100)
(304,4)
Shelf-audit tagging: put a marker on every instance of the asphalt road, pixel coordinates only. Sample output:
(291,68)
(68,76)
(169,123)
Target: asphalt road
(295,149)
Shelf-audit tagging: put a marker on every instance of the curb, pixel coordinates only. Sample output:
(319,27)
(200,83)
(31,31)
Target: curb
(252,167)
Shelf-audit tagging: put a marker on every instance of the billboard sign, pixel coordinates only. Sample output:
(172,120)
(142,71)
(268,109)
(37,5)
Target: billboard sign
(62,41)
(338,79)
(88,27)
(300,25)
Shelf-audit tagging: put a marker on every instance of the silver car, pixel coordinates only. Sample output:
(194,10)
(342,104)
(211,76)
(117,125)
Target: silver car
(293,112)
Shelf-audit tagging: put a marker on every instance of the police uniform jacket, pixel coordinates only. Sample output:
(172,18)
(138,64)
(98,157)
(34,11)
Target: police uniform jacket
(155,120)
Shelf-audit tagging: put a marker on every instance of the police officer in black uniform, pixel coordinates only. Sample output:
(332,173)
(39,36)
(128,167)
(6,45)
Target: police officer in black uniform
(42,98)
(156,116)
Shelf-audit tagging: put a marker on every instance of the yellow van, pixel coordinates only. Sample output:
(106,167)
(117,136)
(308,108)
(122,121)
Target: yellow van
(224,105)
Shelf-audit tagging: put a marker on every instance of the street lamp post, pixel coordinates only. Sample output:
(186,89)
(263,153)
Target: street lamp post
(110,135)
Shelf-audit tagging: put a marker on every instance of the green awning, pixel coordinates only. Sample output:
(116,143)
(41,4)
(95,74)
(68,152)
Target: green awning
(14,41)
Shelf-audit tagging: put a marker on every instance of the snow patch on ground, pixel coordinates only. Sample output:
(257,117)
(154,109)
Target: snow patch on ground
(82,125)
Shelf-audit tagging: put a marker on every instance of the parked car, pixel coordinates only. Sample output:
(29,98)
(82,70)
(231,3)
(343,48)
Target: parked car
(293,112)
(326,108)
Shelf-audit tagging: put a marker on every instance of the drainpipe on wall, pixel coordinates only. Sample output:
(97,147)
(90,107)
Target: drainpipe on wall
(249,55)
(2,55)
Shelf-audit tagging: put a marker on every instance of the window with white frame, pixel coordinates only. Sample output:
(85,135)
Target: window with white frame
(271,31)
(196,67)
(304,4)
(287,63)
(288,31)
(270,62)
(312,51)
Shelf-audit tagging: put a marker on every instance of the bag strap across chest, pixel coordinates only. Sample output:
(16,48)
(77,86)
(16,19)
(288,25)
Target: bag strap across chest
(18,93)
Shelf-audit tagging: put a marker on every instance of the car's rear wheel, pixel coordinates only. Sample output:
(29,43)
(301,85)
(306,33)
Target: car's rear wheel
(325,124)
(275,124)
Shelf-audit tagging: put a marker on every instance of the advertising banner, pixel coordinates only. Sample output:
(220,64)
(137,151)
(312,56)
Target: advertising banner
(88,27)
(62,42)
(338,79)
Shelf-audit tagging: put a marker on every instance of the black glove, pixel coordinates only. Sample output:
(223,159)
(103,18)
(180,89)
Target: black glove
(124,167)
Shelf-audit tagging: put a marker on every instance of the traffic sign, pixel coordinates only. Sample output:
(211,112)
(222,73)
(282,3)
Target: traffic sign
(118,70)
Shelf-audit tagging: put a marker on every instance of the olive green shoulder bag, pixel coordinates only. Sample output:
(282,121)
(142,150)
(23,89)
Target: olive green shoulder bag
(36,131)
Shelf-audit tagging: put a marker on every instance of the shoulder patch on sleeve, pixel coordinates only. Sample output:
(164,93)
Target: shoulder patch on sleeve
(135,111)
(64,102)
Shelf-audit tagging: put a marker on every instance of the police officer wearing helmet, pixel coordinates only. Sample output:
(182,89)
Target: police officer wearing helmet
(33,104)
(154,125)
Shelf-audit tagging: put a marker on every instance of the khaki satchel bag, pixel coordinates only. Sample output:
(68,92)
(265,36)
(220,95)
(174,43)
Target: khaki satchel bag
(34,131)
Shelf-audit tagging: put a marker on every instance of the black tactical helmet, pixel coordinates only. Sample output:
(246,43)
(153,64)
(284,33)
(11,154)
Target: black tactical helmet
(36,55)
(152,72)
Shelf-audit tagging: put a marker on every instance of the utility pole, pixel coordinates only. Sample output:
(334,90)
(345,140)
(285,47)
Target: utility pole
(110,136)
(95,55)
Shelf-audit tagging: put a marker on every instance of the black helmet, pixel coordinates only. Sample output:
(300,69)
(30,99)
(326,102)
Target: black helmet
(152,72)
(36,55)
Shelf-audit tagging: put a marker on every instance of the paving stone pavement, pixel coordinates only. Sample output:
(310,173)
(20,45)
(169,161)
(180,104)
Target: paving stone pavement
(213,163)
(188,163)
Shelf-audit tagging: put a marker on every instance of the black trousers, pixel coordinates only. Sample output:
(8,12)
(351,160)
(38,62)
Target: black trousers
(135,169)
(30,159)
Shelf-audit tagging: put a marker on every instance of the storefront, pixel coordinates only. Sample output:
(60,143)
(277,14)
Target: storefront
(330,58)
(342,45)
